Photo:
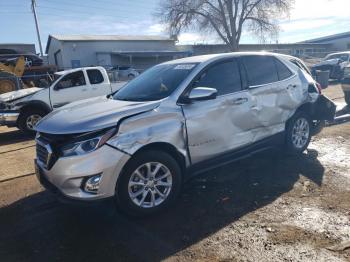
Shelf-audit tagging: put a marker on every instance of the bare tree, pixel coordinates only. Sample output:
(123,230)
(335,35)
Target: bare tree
(228,18)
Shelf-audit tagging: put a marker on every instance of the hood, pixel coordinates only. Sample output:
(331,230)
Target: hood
(91,115)
(7,97)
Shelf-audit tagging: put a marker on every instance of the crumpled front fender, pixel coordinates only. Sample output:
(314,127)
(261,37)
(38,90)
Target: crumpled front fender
(156,126)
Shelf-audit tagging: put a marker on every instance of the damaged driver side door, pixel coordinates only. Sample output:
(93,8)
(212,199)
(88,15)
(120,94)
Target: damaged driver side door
(221,125)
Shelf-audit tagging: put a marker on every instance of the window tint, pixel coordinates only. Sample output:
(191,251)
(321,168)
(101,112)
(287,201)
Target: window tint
(224,77)
(155,83)
(72,80)
(301,65)
(282,70)
(95,76)
(260,70)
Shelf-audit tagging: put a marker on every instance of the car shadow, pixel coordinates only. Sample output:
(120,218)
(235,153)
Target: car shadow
(38,228)
(11,136)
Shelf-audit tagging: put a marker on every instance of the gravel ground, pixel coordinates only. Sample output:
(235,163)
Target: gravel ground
(269,207)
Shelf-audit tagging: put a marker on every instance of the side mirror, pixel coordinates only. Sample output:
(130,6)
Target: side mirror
(202,94)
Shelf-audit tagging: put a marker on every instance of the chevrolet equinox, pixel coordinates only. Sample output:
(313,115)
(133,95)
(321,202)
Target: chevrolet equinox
(177,119)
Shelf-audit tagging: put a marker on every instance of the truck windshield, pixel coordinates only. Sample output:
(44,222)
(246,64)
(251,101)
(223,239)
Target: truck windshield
(156,83)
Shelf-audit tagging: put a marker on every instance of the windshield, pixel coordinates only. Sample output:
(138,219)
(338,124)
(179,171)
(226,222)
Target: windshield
(343,57)
(156,83)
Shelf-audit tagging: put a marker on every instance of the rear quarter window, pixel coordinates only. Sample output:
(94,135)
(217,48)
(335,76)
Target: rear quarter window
(282,70)
(261,70)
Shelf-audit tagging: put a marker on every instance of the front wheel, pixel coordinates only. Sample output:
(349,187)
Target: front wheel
(298,133)
(28,120)
(150,182)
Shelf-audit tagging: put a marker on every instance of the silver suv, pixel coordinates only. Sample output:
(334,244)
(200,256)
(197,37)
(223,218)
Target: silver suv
(175,120)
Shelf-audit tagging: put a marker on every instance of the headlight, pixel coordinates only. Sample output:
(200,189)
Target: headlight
(87,145)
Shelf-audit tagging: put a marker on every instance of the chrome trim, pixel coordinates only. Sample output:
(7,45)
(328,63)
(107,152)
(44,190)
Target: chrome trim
(8,118)
(49,152)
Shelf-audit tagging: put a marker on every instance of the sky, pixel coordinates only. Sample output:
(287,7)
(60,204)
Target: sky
(308,19)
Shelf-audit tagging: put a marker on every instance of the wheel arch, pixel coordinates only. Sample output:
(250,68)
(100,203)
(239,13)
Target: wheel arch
(35,105)
(164,147)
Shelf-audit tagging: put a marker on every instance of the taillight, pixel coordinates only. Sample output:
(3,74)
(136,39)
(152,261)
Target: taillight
(319,88)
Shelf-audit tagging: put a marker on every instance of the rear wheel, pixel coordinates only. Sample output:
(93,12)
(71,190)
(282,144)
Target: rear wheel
(298,133)
(28,120)
(151,181)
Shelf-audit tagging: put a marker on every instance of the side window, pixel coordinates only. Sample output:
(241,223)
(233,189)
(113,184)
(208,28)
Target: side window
(224,77)
(72,80)
(282,70)
(301,66)
(261,70)
(95,76)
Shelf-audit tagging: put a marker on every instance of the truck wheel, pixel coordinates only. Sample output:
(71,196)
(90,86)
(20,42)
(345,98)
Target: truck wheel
(27,120)
(9,82)
(150,182)
(347,98)
(298,133)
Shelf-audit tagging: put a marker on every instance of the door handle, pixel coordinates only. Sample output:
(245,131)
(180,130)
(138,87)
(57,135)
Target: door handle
(239,101)
(291,86)
(84,89)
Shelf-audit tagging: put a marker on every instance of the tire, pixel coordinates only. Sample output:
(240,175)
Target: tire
(141,205)
(23,120)
(131,76)
(347,98)
(317,127)
(9,82)
(297,137)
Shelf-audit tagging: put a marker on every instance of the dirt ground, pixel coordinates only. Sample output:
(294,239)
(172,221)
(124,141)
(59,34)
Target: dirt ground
(269,207)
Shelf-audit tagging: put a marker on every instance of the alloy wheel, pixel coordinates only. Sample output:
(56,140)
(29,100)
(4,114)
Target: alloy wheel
(300,133)
(150,185)
(32,120)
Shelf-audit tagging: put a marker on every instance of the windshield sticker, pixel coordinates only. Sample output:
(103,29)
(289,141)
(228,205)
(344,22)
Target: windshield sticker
(184,67)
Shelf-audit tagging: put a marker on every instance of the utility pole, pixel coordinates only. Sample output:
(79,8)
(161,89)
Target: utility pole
(37,27)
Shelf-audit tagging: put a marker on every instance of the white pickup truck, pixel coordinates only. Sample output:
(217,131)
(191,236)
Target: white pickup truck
(24,108)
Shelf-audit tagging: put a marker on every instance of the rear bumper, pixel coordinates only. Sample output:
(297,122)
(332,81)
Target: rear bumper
(346,84)
(8,118)
(323,109)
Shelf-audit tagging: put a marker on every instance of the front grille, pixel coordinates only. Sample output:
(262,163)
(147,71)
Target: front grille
(41,153)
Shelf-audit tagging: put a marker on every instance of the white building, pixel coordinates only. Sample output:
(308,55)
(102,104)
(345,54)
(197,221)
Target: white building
(339,42)
(140,52)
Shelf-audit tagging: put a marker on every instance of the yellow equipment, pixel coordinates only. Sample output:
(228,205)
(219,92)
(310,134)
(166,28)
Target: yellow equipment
(10,75)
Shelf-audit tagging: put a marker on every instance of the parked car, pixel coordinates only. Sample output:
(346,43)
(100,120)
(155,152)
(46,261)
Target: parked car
(123,72)
(335,64)
(24,108)
(7,55)
(346,85)
(176,120)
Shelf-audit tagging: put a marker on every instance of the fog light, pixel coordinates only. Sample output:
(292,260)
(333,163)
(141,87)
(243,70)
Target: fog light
(92,184)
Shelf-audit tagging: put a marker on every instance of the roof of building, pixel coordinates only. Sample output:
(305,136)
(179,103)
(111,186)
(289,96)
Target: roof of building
(328,38)
(107,38)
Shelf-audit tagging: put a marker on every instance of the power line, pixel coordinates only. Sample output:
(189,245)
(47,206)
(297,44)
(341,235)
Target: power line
(118,4)
(81,13)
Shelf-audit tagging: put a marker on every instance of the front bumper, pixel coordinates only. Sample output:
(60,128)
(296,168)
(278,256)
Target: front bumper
(68,174)
(8,118)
